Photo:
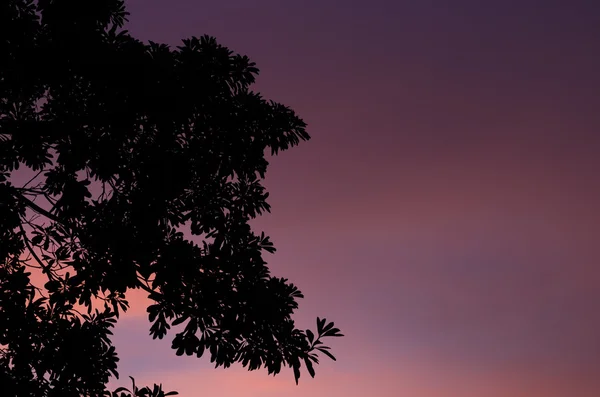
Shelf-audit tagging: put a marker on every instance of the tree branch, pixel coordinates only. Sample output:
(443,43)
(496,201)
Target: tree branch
(143,285)
(45,269)
(38,209)
(32,179)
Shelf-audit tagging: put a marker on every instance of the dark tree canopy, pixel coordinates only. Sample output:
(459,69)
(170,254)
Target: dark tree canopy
(146,165)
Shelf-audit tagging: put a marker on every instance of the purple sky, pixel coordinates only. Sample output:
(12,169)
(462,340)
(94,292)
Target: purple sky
(446,212)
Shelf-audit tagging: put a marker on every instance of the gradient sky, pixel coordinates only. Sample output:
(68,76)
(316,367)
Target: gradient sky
(445,213)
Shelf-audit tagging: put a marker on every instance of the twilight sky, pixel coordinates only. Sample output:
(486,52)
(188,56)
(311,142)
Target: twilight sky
(446,212)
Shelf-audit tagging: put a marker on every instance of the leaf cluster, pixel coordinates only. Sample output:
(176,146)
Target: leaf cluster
(146,166)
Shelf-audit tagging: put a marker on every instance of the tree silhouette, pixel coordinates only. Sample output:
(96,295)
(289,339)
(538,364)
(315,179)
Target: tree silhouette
(146,165)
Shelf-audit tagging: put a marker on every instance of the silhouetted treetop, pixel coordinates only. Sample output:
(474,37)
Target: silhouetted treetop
(145,165)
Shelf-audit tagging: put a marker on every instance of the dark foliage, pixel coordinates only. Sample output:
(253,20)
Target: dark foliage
(128,145)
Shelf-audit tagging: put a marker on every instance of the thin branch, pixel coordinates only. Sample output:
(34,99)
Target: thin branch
(50,199)
(39,290)
(45,269)
(26,263)
(103,195)
(29,191)
(32,179)
(142,285)
(39,209)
